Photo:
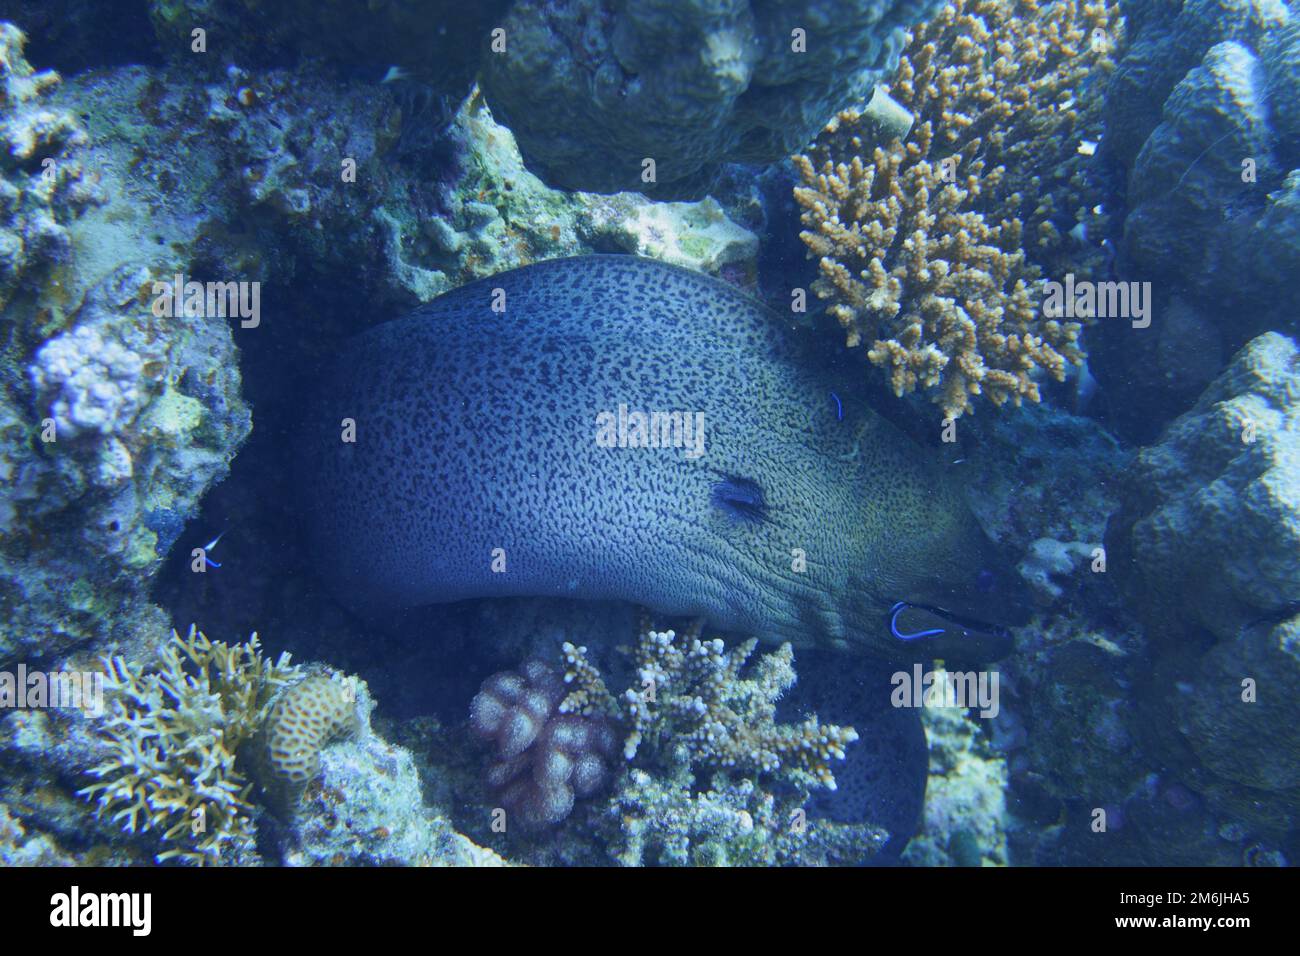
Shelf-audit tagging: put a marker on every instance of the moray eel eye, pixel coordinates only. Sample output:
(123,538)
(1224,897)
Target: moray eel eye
(740,499)
(943,634)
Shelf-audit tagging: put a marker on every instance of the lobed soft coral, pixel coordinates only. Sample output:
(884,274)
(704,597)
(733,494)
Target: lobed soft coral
(930,248)
(545,759)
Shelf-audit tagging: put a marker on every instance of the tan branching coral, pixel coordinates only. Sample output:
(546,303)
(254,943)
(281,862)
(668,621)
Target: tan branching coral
(930,249)
(694,697)
(173,731)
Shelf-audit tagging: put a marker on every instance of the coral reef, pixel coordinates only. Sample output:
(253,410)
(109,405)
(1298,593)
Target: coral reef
(692,700)
(667,820)
(1200,114)
(689,84)
(187,741)
(693,715)
(930,248)
(544,759)
(365,806)
(235,175)
(173,733)
(136,417)
(1206,539)
(1210,515)
(119,419)
(1049,559)
(965,801)
(43,184)
(19,848)
(435,41)
(341,156)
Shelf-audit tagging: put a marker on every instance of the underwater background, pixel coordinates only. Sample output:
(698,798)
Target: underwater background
(990,555)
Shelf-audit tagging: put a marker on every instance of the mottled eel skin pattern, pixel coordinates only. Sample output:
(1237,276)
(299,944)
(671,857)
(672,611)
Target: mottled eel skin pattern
(476,430)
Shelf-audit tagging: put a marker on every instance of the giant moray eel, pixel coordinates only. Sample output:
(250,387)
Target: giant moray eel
(480,469)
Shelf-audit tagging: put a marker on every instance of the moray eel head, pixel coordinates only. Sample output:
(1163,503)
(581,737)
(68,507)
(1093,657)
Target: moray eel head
(957,596)
(922,579)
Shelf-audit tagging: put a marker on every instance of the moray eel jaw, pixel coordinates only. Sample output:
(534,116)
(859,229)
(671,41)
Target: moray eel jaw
(964,607)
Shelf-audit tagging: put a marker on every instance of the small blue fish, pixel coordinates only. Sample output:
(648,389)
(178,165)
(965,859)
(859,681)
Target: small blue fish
(208,547)
(894,613)
(839,408)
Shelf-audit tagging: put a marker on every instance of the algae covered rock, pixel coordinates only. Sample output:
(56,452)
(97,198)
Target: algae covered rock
(592,88)
(1210,521)
(437,40)
(115,420)
(1200,114)
(43,184)
(1205,547)
(1239,710)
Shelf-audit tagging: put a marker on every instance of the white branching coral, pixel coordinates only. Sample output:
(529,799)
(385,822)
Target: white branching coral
(698,702)
(173,731)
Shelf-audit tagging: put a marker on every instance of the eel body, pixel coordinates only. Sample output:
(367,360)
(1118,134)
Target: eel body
(495,450)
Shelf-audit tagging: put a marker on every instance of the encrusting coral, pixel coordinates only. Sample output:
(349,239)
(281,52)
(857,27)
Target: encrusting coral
(930,248)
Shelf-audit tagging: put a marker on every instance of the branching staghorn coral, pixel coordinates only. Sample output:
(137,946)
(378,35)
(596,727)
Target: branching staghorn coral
(930,248)
(694,704)
(173,732)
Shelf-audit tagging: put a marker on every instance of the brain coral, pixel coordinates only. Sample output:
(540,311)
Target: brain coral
(305,717)
(591,88)
(930,248)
